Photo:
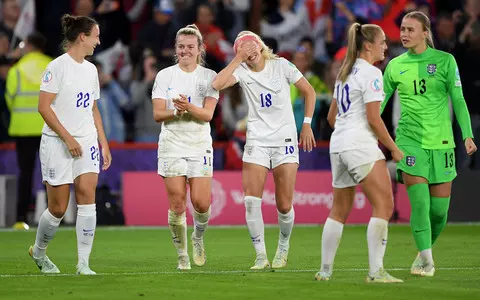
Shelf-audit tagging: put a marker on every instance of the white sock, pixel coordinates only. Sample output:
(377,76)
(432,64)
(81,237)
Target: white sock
(332,233)
(427,256)
(255,224)
(85,227)
(200,221)
(285,222)
(178,229)
(377,232)
(47,227)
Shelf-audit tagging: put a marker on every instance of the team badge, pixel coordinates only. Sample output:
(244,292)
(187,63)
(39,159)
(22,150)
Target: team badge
(431,68)
(248,150)
(410,161)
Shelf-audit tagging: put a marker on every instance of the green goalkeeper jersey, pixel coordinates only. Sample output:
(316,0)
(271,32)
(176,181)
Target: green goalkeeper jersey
(425,82)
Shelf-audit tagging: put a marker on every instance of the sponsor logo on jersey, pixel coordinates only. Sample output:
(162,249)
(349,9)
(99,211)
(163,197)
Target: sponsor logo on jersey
(431,68)
(410,161)
(401,72)
(376,85)
(47,76)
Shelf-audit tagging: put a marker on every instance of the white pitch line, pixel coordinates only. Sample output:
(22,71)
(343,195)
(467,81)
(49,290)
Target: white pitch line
(220,272)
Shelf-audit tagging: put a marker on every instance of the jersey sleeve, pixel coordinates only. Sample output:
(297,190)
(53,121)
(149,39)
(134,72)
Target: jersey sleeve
(454,89)
(160,86)
(389,85)
(239,73)
(291,72)
(51,79)
(211,92)
(96,88)
(373,87)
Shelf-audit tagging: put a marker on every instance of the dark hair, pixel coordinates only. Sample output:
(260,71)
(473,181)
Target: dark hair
(37,41)
(307,39)
(72,27)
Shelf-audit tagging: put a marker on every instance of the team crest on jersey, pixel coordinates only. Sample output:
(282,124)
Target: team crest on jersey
(202,88)
(431,68)
(410,161)
(47,76)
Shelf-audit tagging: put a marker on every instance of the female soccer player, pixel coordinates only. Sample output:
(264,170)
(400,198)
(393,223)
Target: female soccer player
(354,154)
(69,146)
(184,100)
(425,79)
(271,135)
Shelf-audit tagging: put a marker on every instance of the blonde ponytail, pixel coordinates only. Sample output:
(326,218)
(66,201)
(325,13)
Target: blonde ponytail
(357,36)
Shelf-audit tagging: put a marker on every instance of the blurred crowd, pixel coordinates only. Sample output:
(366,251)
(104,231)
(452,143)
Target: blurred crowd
(137,40)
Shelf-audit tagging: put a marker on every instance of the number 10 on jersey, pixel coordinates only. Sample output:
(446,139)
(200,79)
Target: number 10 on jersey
(343,101)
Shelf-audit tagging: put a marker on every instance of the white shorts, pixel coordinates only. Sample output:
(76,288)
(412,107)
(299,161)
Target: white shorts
(350,167)
(191,167)
(270,157)
(58,165)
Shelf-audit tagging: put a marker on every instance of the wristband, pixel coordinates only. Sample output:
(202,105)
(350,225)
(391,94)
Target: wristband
(307,120)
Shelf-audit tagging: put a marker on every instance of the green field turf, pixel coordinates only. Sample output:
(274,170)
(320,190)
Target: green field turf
(139,263)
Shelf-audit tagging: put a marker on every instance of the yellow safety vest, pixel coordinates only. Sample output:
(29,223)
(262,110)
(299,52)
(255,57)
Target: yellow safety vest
(21,95)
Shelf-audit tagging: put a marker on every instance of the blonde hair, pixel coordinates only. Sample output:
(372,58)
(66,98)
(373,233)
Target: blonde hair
(426,25)
(357,36)
(266,52)
(193,30)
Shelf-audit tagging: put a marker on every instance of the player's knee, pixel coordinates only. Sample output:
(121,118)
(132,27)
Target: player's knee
(284,207)
(438,213)
(57,210)
(201,207)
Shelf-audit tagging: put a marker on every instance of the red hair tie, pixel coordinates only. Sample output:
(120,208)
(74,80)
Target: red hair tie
(244,39)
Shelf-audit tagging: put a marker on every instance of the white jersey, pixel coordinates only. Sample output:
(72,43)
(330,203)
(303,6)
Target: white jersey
(363,85)
(270,115)
(185,136)
(77,87)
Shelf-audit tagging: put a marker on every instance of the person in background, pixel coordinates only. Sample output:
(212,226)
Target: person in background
(21,95)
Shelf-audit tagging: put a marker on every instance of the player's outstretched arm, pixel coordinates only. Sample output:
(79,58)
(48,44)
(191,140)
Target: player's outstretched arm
(102,138)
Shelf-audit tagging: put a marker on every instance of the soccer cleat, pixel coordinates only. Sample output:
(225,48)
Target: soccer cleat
(280,259)
(183,262)
(428,271)
(417,266)
(381,276)
(323,276)
(261,262)
(45,265)
(84,269)
(199,256)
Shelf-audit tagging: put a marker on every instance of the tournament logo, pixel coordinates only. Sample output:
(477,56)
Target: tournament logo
(47,76)
(431,68)
(410,161)
(376,85)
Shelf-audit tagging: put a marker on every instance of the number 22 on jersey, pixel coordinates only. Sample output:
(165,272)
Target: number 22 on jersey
(83,100)
(343,98)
